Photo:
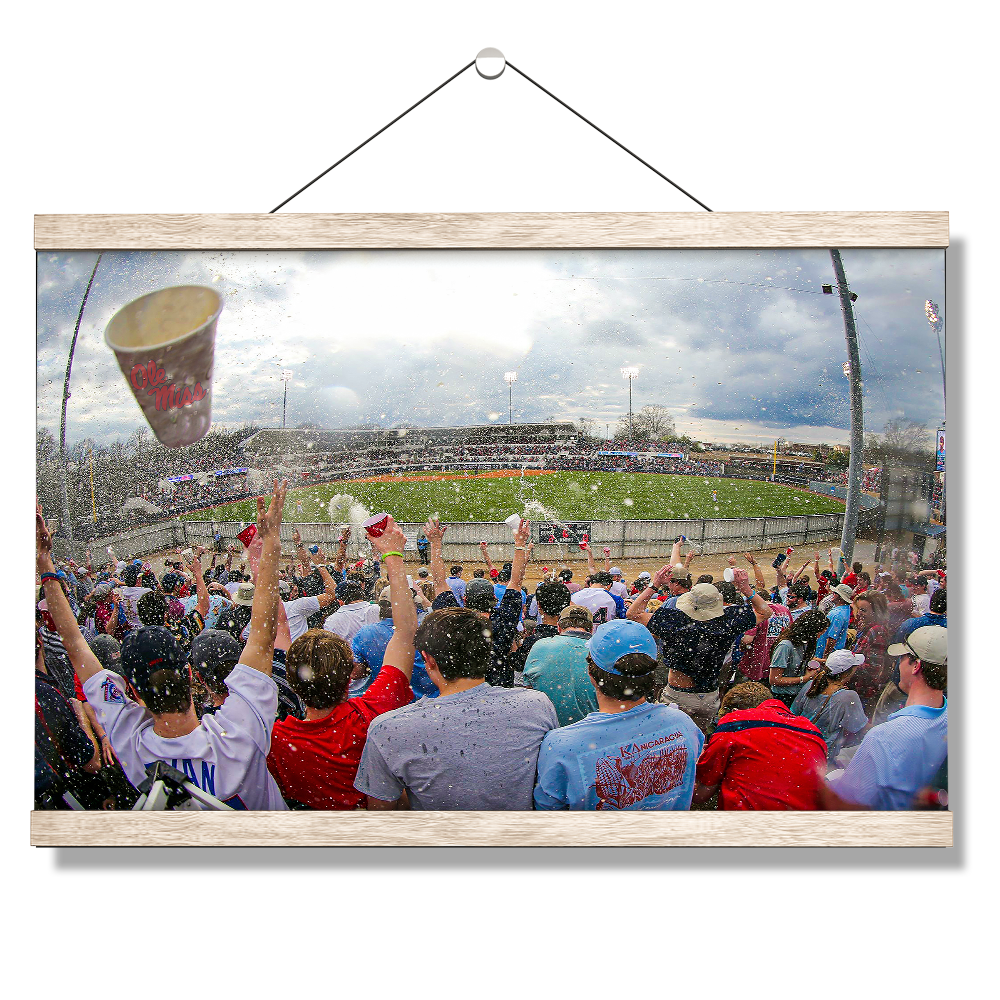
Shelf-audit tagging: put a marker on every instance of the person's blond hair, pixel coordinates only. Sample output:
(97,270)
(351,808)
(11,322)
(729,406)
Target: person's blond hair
(744,696)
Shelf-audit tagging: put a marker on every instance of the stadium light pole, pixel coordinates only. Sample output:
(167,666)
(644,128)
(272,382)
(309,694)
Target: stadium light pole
(630,373)
(285,377)
(510,378)
(853,371)
(64,459)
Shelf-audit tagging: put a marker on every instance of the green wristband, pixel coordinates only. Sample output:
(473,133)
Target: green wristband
(387,554)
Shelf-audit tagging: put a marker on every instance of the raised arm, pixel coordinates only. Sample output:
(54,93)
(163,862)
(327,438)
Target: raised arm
(607,559)
(805,566)
(675,551)
(400,652)
(761,609)
(520,560)
(486,557)
(637,610)
(199,582)
(435,533)
(758,573)
(329,594)
(341,560)
(591,565)
(84,662)
(259,650)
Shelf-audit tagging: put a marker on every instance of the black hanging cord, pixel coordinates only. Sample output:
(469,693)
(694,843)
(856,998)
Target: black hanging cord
(526,77)
(369,139)
(606,136)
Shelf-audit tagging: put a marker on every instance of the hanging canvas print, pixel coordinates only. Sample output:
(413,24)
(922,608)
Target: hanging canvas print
(491,530)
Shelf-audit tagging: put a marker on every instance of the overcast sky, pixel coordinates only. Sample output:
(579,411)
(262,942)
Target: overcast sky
(740,345)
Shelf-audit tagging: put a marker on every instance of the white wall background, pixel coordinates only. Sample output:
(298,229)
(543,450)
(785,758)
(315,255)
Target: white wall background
(226,107)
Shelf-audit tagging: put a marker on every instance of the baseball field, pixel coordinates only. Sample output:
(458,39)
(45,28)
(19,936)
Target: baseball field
(572,496)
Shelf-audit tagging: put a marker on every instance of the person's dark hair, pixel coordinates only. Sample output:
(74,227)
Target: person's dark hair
(552,597)
(129,576)
(939,602)
(857,567)
(706,578)
(803,632)
(349,593)
(168,691)
(801,590)
(893,593)
(455,570)
(862,575)
(636,677)
(935,674)
(319,666)
(234,619)
(744,696)
(504,575)
(152,609)
(235,576)
(728,591)
(479,574)
(565,575)
(481,600)
(148,579)
(458,640)
(831,576)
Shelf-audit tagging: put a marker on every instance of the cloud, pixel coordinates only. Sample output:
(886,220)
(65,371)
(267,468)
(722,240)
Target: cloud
(740,343)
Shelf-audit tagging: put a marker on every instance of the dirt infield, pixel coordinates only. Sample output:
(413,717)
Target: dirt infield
(432,477)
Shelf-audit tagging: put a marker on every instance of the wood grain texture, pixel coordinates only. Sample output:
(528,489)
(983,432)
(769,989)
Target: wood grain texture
(490,829)
(512,230)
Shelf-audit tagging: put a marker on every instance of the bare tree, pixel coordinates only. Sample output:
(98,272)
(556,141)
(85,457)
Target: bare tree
(901,441)
(651,423)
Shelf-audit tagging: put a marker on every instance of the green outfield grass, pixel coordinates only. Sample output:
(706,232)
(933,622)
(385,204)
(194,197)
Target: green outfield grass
(574,496)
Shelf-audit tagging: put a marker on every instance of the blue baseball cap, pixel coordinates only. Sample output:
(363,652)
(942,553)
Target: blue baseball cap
(613,640)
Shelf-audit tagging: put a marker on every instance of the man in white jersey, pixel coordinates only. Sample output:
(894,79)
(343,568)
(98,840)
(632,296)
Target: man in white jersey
(226,753)
(597,600)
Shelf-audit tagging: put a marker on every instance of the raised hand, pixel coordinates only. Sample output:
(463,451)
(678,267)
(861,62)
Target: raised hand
(269,521)
(434,529)
(43,538)
(522,534)
(749,558)
(483,546)
(296,537)
(660,577)
(345,536)
(391,540)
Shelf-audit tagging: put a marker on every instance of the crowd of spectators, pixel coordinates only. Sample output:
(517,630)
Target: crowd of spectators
(331,684)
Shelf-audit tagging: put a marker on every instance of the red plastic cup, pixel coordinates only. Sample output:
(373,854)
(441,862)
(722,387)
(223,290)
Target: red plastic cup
(586,537)
(376,524)
(247,535)
(789,550)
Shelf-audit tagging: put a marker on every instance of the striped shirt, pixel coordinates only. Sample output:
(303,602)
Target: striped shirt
(897,759)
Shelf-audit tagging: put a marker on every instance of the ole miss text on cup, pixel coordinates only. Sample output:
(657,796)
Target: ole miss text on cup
(152,378)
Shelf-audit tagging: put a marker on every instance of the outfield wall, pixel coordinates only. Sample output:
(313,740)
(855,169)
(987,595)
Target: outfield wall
(626,539)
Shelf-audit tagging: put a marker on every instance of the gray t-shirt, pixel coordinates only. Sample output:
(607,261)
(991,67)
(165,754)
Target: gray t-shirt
(836,718)
(477,749)
(787,658)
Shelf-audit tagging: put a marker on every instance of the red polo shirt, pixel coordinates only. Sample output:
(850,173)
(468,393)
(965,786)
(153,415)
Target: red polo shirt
(764,758)
(315,762)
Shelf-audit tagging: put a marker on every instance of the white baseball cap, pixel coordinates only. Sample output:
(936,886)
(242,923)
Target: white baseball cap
(842,660)
(929,642)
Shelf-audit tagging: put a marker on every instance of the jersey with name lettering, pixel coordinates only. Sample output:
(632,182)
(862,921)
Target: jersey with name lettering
(225,756)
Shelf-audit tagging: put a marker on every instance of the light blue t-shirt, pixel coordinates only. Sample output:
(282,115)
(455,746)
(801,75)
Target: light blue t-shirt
(369,647)
(839,617)
(897,759)
(457,585)
(215,606)
(644,758)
